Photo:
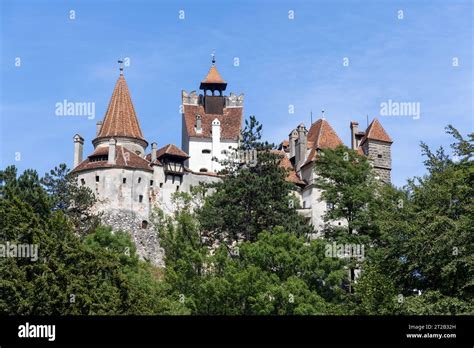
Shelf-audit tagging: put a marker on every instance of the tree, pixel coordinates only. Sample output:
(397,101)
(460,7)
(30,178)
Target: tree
(74,200)
(98,275)
(251,197)
(426,236)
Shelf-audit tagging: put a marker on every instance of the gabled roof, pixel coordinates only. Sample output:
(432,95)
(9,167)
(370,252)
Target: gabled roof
(123,159)
(231,121)
(120,118)
(375,131)
(171,150)
(321,136)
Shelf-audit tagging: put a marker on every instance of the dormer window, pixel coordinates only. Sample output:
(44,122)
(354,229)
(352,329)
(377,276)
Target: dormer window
(99,158)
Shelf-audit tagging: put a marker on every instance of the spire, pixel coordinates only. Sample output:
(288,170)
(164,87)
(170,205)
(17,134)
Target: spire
(120,119)
(213,80)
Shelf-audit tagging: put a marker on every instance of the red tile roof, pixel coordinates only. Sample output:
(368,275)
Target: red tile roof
(286,164)
(231,122)
(213,76)
(321,136)
(123,159)
(375,131)
(120,118)
(171,150)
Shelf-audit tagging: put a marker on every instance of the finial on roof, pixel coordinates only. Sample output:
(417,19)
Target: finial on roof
(213,55)
(322,114)
(120,61)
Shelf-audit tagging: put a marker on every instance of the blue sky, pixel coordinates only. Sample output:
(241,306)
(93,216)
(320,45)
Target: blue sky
(283,62)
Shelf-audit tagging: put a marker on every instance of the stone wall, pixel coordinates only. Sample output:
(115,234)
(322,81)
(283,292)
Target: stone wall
(145,239)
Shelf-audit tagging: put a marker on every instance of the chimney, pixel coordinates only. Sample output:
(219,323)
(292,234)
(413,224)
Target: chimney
(112,147)
(216,141)
(98,127)
(292,142)
(301,146)
(198,123)
(354,131)
(78,149)
(153,152)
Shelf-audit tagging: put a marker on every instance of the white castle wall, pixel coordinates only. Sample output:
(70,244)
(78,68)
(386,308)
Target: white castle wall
(120,204)
(199,160)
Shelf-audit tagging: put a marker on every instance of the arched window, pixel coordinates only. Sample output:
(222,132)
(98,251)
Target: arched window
(203,170)
(144,224)
(206,151)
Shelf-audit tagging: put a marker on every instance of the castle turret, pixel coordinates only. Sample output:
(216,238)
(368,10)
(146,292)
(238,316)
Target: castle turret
(376,145)
(211,122)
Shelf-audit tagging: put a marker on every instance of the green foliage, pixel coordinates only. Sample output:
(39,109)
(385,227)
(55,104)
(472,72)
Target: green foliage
(74,200)
(234,248)
(278,273)
(251,198)
(98,275)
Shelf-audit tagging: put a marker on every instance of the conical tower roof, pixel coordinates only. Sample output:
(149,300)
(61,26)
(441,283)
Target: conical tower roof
(213,79)
(120,119)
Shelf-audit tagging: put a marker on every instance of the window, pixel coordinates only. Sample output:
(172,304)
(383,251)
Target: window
(96,178)
(83,182)
(140,198)
(206,151)
(329,206)
(99,158)
(379,156)
(151,182)
(177,188)
(144,224)
(203,170)
(161,185)
(124,180)
(304,204)
(139,180)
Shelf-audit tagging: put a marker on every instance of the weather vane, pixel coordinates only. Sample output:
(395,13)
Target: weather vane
(120,61)
(213,55)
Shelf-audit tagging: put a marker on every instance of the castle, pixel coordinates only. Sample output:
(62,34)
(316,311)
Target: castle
(129,181)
